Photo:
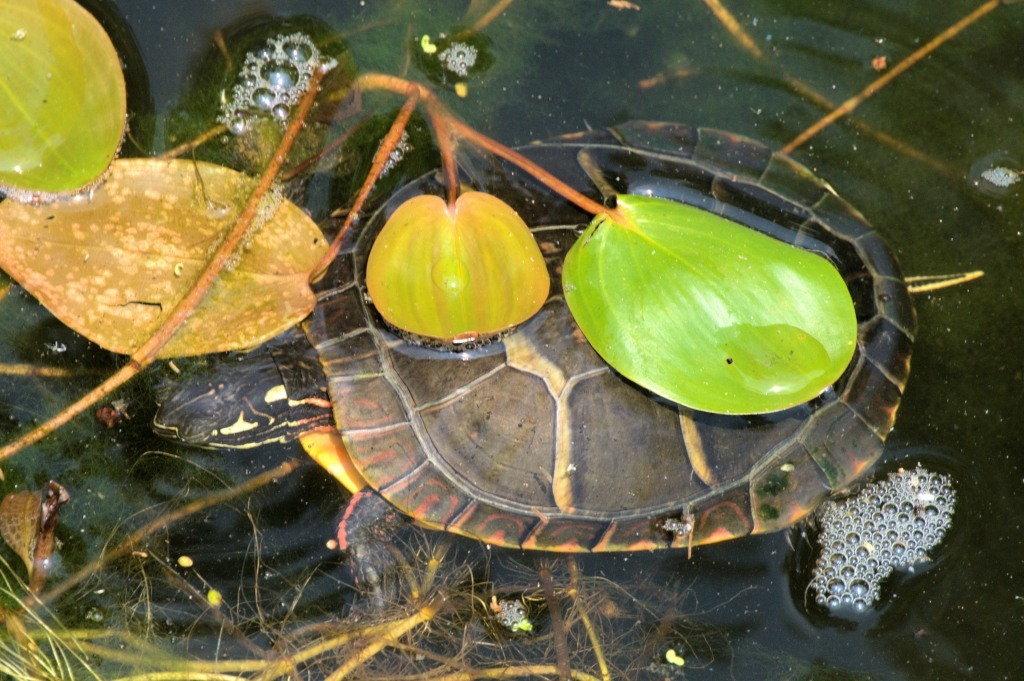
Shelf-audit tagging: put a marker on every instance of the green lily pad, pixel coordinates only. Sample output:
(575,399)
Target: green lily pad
(62,99)
(114,267)
(706,312)
(472,271)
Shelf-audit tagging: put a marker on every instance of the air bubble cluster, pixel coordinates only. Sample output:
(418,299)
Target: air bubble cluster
(272,80)
(1000,176)
(458,58)
(889,525)
(397,154)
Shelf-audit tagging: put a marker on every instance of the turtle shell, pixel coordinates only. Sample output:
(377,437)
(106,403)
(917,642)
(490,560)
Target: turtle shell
(533,441)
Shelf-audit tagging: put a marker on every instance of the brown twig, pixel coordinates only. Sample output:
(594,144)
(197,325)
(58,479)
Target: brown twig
(184,309)
(492,14)
(445,143)
(855,101)
(804,90)
(298,168)
(389,635)
(379,81)
(45,372)
(574,594)
(195,143)
(129,544)
(379,160)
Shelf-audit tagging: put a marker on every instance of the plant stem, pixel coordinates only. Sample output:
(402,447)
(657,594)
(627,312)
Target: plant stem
(379,159)
(557,625)
(163,521)
(852,103)
(379,81)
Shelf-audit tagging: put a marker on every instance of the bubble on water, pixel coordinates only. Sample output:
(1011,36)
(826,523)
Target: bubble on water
(298,51)
(867,552)
(397,154)
(458,58)
(280,76)
(262,98)
(280,112)
(995,174)
(273,77)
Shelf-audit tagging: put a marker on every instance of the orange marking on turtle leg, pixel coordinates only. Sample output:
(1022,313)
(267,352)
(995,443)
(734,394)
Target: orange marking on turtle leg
(328,449)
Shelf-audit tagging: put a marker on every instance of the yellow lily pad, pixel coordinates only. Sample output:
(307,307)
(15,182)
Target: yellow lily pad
(62,99)
(114,267)
(474,270)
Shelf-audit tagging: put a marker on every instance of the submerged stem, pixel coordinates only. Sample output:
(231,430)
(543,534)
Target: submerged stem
(167,519)
(376,168)
(876,85)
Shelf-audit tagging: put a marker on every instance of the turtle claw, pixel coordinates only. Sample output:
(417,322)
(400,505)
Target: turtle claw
(366,525)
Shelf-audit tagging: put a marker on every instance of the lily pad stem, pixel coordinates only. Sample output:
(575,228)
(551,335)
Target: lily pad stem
(376,168)
(147,353)
(380,81)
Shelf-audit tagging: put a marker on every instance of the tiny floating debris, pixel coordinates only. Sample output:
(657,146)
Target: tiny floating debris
(889,525)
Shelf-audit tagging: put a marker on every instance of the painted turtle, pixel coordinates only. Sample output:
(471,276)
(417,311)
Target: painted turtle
(531,440)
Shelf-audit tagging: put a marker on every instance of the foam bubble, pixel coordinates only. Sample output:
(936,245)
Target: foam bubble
(869,552)
(273,77)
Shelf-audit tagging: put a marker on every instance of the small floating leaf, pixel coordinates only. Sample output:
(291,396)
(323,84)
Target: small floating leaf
(440,273)
(709,313)
(114,267)
(62,99)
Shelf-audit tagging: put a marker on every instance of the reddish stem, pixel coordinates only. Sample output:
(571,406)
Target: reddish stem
(378,81)
(439,119)
(387,145)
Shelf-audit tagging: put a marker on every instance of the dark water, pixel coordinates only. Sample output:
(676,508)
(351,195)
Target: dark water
(560,66)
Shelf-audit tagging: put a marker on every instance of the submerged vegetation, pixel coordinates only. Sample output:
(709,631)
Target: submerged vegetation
(440,623)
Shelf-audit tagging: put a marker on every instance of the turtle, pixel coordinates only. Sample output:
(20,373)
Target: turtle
(529,439)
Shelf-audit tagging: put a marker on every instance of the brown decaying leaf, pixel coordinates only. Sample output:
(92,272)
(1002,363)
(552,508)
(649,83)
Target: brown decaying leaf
(27,523)
(114,266)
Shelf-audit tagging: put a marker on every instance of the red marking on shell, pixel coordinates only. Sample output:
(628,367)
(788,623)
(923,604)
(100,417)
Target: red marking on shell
(720,534)
(614,538)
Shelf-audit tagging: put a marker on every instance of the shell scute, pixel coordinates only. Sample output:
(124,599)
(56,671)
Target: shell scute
(787,490)
(492,524)
(893,301)
(720,517)
(734,154)
(385,456)
(365,403)
(873,396)
(426,495)
(498,438)
(841,443)
(888,347)
(565,535)
(670,138)
(794,181)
